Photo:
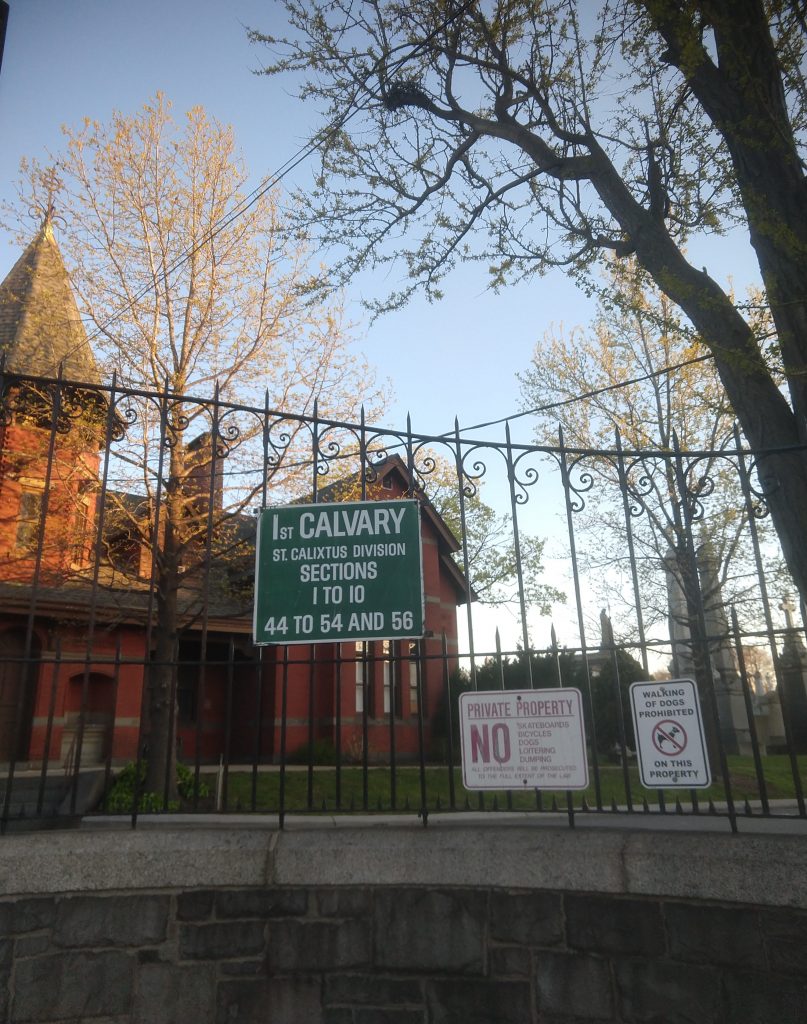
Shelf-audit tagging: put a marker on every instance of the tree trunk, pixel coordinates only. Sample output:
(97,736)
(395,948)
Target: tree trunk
(161,774)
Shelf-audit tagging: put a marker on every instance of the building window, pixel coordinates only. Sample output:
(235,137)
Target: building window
(387,669)
(81,538)
(361,669)
(29,521)
(413,679)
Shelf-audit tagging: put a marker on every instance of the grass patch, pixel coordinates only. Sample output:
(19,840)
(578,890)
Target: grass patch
(382,790)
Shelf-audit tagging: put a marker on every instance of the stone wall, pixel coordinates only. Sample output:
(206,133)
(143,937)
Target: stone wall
(97,939)
(403,956)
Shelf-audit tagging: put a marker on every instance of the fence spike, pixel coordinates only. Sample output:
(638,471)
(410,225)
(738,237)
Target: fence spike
(495,802)
(748,812)
(645,805)
(584,805)
(712,808)
(678,808)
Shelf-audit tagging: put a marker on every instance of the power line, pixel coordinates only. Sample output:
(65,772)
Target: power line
(591,394)
(277,176)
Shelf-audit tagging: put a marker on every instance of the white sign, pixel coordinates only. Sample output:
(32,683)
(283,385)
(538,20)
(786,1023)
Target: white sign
(527,739)
(669,735)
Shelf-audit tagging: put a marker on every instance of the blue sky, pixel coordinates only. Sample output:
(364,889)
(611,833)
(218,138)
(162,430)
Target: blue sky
(67,59)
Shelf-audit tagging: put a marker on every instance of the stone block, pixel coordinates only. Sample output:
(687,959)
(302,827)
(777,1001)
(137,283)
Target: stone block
(261,903)
(275,1000)
(605,924)
(33,915)
(378,1016)
(343,902)
(430,931)
(337,1015)
(529,919)
(111,920)
(371,990)
(509,961)
(242,968)
(169,994)
(7,917)
(784,934)
(222,940)
(31,945)
(195,906)
(714,935)
(670,992)
(753,997)
(308,945)
(72,986)
(573,984)
(479,1001)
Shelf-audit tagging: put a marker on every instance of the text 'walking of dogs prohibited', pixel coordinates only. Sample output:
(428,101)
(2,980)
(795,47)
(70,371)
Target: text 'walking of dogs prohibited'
(670,744)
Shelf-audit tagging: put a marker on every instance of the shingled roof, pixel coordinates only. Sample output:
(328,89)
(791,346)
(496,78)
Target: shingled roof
(40,326)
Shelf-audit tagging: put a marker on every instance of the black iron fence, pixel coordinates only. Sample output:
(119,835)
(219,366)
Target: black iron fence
(129,682)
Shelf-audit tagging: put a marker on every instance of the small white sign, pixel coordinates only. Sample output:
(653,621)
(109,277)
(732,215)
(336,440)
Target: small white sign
(523,739)
(670,743)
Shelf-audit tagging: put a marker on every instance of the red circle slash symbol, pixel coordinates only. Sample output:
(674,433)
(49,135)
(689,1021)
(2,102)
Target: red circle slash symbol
(669,738)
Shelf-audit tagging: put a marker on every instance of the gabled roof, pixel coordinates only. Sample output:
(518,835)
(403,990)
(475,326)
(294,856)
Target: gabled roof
(394,466)
(40,325)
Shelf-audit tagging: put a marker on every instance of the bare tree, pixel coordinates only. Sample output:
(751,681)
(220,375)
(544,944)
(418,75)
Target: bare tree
(192,287)
(648,384)
(531,134)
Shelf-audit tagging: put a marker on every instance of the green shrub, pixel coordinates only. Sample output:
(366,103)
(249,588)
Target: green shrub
(121,796)
(324,753)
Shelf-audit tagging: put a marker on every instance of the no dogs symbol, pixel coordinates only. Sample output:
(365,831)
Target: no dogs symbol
(669,738)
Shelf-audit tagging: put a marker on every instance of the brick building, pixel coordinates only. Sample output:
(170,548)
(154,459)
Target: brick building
(75,602)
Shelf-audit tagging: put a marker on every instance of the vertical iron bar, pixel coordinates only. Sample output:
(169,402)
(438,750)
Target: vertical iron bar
(54,682)
(393,664)
(228,722)
(35,584)
(452,799)
(749,711)
(624,489)
(623,746)
(110,748)
(745,483)
(511,479)
(701,637)
(466,562)
(567,489)
(148,666)
(369,693)
(311,713)
(339,662)
(98,554)
(209,527)
(172,716)
(424,810)
(281,812)
(256,752)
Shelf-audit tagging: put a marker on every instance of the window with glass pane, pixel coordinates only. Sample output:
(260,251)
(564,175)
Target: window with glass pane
(413,679)
(361,648)
(387,666)
(29,520)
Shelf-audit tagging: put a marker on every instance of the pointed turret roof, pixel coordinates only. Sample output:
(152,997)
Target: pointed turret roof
(40,326)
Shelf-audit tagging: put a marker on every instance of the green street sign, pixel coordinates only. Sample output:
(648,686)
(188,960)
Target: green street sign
(348,570)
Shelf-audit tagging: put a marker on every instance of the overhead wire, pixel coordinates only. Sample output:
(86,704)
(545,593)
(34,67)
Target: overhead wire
(273,179)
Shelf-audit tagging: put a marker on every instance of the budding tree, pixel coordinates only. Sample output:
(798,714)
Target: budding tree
(530,134)
(192,286)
